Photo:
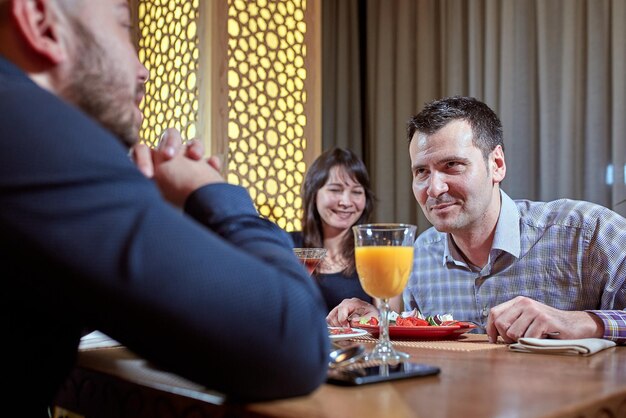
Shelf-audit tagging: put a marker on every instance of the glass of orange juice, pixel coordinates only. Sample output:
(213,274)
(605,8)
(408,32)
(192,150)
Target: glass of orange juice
(384,259)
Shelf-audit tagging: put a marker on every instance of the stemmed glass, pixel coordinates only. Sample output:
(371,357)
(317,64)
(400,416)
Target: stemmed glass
(384,258)
(310,257)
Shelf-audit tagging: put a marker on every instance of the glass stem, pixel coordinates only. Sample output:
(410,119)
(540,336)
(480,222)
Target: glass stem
(384,321)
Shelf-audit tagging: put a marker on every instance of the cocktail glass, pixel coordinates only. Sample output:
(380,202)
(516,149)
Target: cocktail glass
(310,257)
(384,259)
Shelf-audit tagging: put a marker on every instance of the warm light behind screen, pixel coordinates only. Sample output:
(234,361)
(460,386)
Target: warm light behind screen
(266,92)
(168,47)
(266,98)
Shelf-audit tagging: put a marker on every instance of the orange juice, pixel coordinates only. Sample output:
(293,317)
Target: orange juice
(383,271)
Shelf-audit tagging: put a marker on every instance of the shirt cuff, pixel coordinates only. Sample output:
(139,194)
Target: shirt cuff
(614,324)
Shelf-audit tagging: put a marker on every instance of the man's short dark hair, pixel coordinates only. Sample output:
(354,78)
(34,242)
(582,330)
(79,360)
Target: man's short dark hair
(486,127)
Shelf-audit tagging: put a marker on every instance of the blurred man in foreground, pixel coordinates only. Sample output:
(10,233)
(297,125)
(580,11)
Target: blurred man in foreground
(88,242)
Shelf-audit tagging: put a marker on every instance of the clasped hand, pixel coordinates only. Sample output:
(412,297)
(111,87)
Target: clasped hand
(178,169)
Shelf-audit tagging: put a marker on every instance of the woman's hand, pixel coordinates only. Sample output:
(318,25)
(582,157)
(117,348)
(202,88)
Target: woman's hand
(349,311)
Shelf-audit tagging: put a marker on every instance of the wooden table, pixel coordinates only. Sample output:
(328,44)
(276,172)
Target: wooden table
(476,380)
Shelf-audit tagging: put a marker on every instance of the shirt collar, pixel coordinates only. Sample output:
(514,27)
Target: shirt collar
(506,237)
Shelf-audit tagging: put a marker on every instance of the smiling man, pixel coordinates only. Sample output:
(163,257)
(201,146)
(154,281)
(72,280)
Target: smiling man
(88,242)
(515,267)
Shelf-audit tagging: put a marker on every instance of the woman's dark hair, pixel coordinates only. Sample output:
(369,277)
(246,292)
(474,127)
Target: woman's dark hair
(486,127)
(315,178)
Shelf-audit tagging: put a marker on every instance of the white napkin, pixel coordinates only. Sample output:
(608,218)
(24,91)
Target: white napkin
(583,347)
(97,339)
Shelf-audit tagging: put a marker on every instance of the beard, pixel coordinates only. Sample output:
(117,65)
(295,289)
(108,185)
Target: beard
(100,89)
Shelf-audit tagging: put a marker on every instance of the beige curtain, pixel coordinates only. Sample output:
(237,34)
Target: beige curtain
(554,71)
(342,83)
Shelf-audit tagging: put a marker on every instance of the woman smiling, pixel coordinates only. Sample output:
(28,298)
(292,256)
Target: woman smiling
(336,196)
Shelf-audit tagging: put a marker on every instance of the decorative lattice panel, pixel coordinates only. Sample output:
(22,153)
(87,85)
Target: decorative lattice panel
(266,82)
(168,47)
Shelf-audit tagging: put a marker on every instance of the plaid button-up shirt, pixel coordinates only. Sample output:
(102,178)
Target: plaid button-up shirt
(567,254)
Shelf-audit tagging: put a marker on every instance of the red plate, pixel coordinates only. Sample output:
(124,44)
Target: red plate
(423,332)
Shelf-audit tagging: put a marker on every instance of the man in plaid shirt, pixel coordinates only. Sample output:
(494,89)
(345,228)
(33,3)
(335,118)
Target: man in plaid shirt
(515,268)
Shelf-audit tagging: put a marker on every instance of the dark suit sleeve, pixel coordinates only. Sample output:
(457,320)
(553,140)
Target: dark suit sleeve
(214,294)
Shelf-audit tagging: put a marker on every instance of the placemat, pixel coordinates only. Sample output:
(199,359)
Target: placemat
(467,342)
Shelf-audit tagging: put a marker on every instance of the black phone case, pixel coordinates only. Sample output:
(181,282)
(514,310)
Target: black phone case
(382,373)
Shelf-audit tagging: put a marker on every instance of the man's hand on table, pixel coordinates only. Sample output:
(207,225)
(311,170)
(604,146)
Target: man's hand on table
(524,317)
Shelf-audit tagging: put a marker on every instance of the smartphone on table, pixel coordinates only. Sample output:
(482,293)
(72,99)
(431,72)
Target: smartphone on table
(380,373)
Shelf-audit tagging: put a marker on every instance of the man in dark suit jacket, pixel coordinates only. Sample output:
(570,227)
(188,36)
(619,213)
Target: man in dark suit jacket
(88,242)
